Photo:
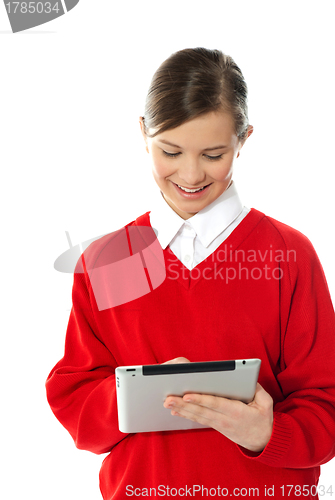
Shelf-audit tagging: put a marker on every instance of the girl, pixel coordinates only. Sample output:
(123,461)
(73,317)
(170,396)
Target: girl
(237,284)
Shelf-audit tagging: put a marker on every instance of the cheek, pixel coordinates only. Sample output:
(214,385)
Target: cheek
(221,172)
(161,168)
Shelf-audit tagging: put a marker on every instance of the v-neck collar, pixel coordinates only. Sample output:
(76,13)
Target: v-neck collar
(175,269)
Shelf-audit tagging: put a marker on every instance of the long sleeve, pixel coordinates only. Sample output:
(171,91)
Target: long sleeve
(81,387)
(304,421)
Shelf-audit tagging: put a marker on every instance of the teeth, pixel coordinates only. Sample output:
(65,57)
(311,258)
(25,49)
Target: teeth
(190,190)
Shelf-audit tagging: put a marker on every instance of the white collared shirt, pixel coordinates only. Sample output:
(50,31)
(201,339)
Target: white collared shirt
(194,239)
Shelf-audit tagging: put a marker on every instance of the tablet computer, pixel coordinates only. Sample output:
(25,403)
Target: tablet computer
(142,389)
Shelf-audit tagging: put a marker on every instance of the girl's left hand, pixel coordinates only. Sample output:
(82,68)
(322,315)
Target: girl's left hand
(248,425)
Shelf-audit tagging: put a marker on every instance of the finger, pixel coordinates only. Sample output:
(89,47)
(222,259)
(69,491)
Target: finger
(176,360)
(194,418)
(204,416)
(229,407)
(173,401)
(195,413)
(262,399)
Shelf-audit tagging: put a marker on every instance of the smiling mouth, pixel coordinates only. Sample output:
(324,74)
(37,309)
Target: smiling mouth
(196,190)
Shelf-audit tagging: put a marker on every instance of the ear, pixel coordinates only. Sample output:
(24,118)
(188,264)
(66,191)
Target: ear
(143,133)
(249,132)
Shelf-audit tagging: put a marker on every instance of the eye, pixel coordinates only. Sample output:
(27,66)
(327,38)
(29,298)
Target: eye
(174,155)
(214,157)
(171,155)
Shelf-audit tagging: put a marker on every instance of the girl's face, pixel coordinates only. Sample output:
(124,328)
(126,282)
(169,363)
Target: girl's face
(198,154)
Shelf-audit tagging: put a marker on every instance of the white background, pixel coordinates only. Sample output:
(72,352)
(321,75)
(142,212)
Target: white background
(72,159)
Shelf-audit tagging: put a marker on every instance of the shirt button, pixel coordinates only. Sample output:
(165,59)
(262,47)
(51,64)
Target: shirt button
(187,258)
(188,228)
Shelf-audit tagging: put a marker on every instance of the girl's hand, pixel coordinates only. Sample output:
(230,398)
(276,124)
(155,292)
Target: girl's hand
(248,425)
(176,360)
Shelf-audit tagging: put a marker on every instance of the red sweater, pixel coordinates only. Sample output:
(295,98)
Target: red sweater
(261,294)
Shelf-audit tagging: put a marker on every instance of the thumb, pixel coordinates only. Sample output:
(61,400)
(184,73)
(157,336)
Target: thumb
(262,399)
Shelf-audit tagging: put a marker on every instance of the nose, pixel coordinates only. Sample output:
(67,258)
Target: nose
(191,173)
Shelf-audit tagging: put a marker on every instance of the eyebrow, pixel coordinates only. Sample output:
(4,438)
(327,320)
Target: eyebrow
(206,149)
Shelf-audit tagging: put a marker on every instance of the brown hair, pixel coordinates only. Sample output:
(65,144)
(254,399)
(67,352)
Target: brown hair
(192,82)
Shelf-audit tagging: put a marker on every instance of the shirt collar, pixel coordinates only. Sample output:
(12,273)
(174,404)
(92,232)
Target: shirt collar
(208,223)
